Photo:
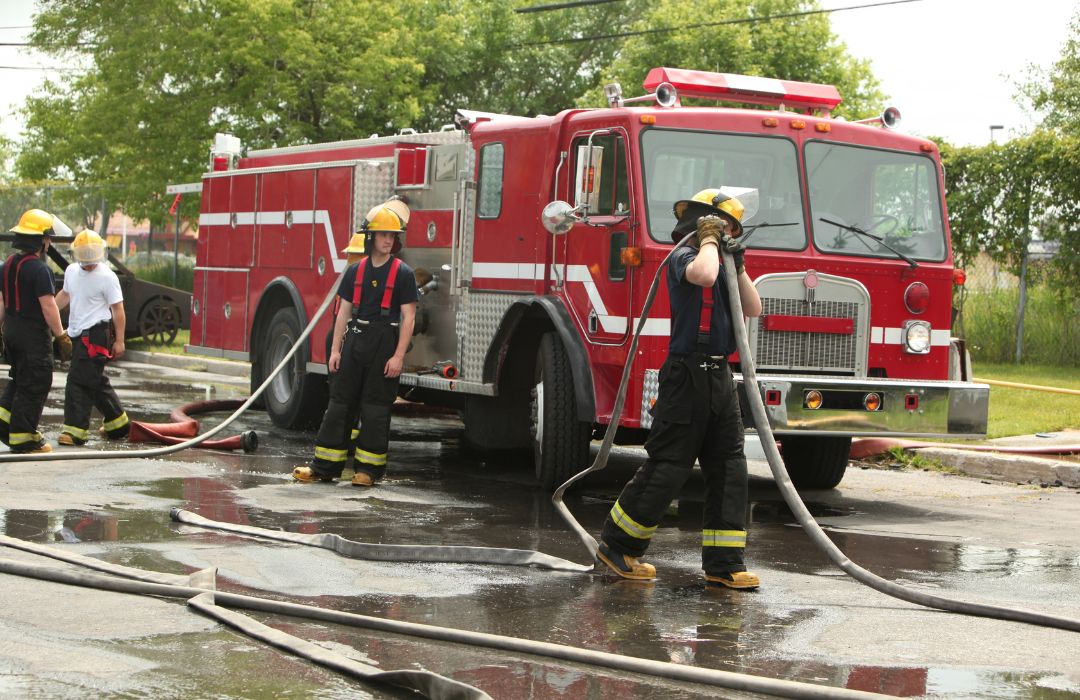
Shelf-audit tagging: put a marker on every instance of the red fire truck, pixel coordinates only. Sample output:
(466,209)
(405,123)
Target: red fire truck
(852,260)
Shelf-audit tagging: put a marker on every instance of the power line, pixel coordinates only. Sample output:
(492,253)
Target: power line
(45,68)
(562,5)
(742,20)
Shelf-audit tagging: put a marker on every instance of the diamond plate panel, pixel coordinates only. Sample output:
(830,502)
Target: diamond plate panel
(478,319)
(648,394)
(374,185)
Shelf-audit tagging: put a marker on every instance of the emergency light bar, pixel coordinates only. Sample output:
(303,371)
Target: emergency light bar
(746,88)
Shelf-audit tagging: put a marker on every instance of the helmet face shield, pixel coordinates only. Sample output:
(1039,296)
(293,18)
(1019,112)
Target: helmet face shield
(88,248)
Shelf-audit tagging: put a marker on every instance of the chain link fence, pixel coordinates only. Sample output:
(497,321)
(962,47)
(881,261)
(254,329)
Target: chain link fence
(1011,318)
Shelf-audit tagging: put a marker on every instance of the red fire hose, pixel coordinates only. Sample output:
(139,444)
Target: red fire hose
(184,427)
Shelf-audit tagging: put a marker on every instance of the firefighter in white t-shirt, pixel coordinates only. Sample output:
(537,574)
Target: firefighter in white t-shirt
(93,290)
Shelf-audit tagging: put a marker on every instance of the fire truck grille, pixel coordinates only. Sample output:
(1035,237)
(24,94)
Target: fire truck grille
(793,350)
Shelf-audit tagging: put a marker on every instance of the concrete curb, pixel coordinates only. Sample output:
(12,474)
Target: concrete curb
(192,363)
(1021,469)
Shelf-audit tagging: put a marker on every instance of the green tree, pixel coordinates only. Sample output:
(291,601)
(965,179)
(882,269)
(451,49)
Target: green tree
(163,76)
(799,47)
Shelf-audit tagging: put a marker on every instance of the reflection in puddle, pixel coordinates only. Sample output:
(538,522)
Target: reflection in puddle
(73,526)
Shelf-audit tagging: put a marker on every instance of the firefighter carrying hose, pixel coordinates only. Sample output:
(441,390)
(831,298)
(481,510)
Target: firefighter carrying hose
(28,314)
(93,290)
(696,414)
(372,331)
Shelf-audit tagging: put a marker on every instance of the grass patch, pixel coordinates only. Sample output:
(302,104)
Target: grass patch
(162,273)
(1051,330)
(174,348)
(1026,411)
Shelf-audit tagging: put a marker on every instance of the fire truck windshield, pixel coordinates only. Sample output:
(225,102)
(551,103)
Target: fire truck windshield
(678,164)
(893,196)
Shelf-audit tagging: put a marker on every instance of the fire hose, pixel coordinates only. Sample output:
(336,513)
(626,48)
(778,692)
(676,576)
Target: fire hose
(719,678)
(780,475)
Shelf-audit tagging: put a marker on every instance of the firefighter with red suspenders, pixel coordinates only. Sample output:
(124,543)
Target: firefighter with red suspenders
(696,415)
(93,290)
(29,313)
(372,331)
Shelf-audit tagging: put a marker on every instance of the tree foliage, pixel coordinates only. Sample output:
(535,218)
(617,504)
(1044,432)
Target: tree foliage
(162,76)
(1001,197)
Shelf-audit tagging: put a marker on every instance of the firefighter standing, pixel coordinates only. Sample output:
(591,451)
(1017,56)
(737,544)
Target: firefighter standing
(372,331)
(28,314)
(353,253)
(696,414)
(96,299)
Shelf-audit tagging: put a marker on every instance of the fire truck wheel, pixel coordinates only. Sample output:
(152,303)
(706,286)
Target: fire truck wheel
(295,398)
(560,440)
(815,462)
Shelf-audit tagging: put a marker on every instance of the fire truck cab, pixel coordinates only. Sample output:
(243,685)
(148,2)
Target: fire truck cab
(524,322)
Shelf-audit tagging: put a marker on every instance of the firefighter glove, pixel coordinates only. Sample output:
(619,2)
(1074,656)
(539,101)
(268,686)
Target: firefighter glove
(709,229)
(63,343)
(737,250)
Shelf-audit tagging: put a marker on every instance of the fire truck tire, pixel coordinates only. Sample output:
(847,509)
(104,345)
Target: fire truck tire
(296,398)
(560,440)
(815,462)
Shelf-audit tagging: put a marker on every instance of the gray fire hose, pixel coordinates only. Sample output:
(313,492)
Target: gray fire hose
(174,586)
(780,475)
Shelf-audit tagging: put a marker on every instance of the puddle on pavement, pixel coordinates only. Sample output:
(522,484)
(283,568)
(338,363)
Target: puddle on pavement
(74,526)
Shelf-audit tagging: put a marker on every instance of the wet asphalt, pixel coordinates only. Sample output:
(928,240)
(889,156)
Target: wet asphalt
(954,536)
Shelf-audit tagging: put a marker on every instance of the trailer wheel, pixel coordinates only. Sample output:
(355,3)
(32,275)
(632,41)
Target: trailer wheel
(560,440)
(159,321)
(295,398)
(815,462)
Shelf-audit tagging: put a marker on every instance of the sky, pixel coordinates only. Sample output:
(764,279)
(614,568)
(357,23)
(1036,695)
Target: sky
(949,66)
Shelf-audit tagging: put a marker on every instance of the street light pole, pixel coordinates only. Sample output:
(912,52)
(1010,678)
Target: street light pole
(993,128)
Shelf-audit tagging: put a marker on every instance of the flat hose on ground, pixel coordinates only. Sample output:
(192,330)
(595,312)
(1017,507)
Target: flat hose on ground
(133,584)
(193,442)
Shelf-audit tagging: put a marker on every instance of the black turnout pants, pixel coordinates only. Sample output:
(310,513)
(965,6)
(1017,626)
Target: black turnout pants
(696,416)
(28,349)
(88,387)
(360,388)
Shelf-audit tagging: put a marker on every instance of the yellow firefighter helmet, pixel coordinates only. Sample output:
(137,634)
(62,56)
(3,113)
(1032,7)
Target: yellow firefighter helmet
(34,222)
(735,204)
(88,247)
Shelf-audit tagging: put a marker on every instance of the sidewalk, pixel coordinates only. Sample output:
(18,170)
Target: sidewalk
(1041,470)
(192,363)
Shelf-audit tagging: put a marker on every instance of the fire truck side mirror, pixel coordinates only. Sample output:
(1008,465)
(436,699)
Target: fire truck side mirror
(559,217)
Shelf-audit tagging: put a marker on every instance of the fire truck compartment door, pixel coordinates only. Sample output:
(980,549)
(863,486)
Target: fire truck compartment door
(286,219)
(223,306)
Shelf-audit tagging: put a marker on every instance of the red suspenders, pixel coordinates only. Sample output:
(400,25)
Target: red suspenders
(7,277)
(388,293)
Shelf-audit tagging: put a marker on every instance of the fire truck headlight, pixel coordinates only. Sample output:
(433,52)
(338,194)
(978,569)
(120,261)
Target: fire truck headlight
(917,337)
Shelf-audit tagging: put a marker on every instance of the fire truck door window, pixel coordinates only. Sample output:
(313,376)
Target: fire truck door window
(491,181)
(892,195)
(613,190)
(678,164)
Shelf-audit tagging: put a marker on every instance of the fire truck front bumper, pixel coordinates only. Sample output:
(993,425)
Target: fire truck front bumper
(873,406)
